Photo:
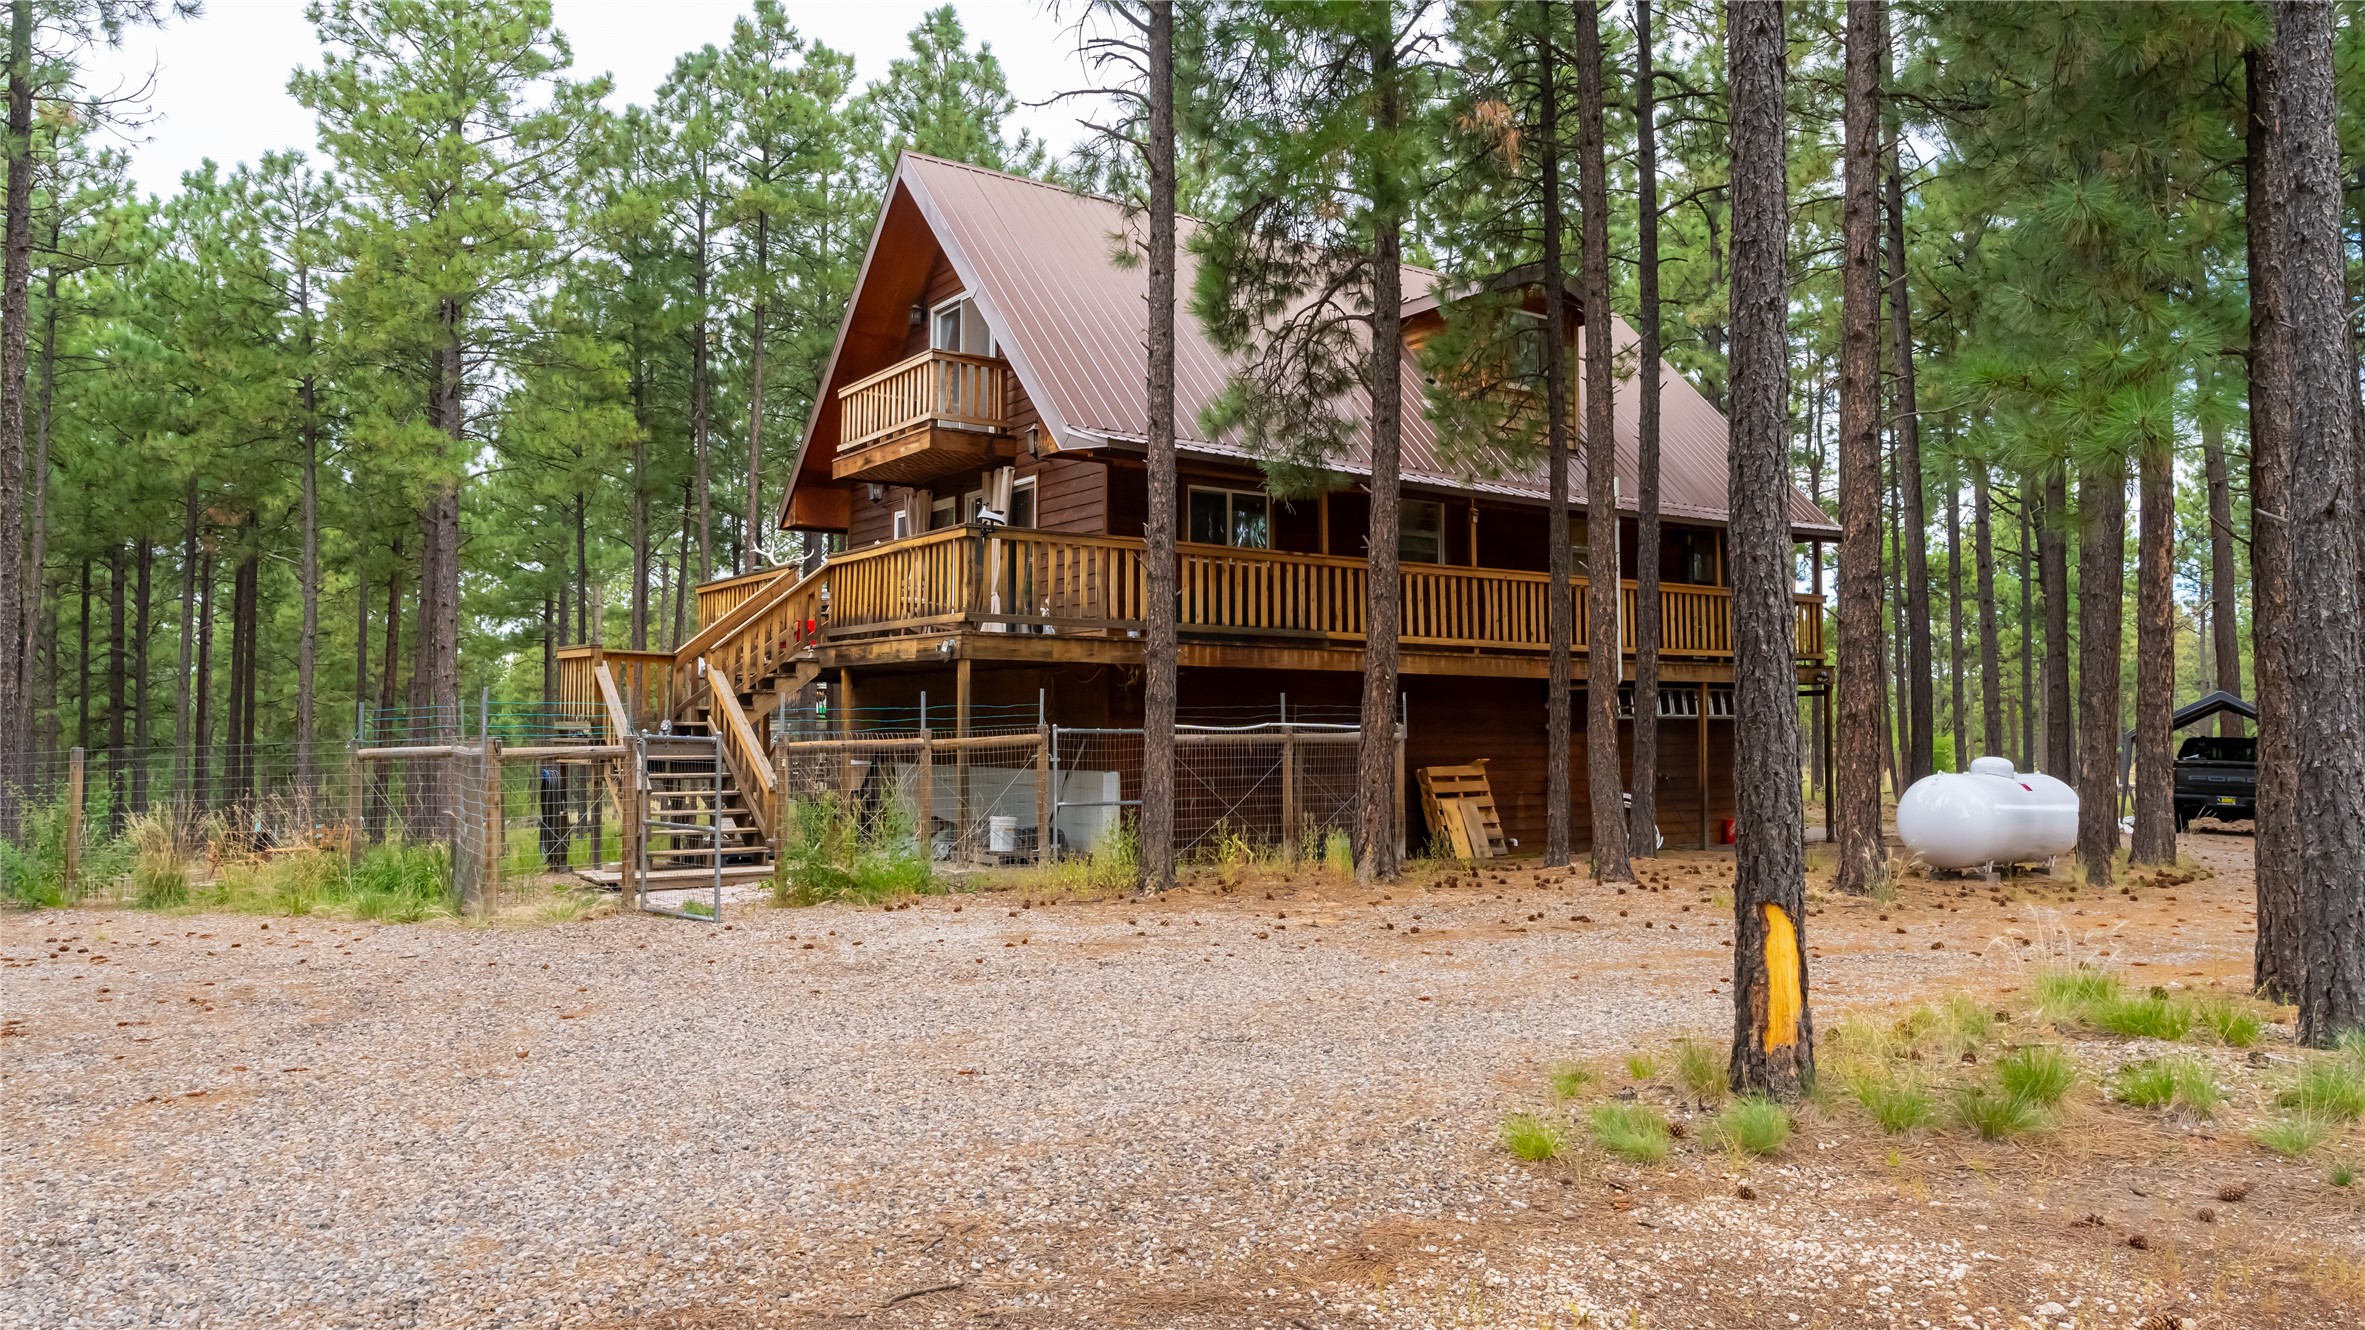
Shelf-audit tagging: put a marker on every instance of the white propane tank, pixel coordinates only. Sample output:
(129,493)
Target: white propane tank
(1989,815)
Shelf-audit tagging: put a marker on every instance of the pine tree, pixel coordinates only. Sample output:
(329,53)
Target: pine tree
(1604,664)
(1773,1030)
(1302,280)
(1862,862)
(946,100)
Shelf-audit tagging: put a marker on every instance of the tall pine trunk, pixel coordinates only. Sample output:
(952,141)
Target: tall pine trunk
(1773,1032)
(1159,646)
(2324,656)
(2154,841)
(1912,519)
(1857,743)
(2278,955)
(2225,623)
(755,420)
(1643,833)
(1957,703)
(2102,590)
(1375,759)
(201,769)
(142,584)
(1559,593)
(184,730)
(118,692)
(1991,683)
(16,273)
(1603,665)
(36,500)
(2053,578)
(2028,630)
(308,633)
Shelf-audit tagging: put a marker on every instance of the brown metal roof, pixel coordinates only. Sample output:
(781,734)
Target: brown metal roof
(1037,260)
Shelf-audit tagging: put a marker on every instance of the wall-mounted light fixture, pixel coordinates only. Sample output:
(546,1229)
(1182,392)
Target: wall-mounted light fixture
(876,491)
(919,313)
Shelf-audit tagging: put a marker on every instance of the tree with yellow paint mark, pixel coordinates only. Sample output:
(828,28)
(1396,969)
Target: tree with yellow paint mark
(1773,1032)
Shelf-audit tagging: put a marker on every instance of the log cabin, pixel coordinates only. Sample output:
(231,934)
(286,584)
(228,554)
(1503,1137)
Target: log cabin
(972,482)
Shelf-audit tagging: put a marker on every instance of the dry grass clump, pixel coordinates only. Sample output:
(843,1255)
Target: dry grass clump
(1700,1069)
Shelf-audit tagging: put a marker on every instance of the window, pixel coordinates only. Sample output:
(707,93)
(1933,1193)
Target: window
(902,525)
(1580,544)
(1022,503)
(941,513)
(1420,531)
(1240,518)
(957,326)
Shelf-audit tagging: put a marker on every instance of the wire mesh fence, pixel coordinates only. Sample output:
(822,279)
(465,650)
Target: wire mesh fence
(1038,794)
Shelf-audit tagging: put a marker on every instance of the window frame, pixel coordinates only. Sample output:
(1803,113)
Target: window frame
(1231,526)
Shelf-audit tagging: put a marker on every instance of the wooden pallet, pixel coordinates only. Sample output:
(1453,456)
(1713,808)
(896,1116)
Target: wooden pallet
(1461,808)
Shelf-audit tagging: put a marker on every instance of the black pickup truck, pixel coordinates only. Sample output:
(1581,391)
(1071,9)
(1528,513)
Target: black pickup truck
(2216,777)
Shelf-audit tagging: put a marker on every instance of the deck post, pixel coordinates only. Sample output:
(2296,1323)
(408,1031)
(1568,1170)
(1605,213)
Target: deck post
(845,706)
(962,839)
(73,870)
(1703,765)
(1042,779)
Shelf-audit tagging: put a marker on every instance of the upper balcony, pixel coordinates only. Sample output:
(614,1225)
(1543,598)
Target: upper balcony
(938,413)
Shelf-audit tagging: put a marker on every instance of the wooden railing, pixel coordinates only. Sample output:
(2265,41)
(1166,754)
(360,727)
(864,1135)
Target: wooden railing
(942,387)
(751,768)
(1019,580)
(725,594)
(747,647)
(643,684)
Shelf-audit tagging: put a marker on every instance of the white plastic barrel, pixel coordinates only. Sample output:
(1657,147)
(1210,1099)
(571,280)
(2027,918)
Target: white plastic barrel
(1001,835)
(1988,815)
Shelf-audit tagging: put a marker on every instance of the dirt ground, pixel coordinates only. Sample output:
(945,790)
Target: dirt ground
(1272,1103)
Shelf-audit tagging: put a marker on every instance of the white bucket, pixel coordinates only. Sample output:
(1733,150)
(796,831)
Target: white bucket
(1001,835)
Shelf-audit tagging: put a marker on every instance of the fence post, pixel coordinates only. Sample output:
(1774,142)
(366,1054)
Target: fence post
(74,820)
(1398,816)
(1042,794)
(1289,808)
(355,783)
(496,843)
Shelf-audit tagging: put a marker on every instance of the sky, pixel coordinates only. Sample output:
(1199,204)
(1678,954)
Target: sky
(217,84)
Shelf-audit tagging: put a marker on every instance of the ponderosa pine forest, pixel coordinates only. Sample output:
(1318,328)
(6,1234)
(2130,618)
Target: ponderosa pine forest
(2054,308)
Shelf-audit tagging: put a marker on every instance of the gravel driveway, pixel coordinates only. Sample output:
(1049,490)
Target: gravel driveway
(1224,1109)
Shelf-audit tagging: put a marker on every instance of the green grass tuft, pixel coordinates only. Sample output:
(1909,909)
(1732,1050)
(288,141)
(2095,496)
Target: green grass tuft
(1753,1125)
(2173,1082)
(2235,1025)
(1899,1102)
(1641,1066)
(2068,994)
(2342,1174)
(2332,1089)
(2293,1136)
(1700,1068)
(2147,1016)
(1532,1138)
(1569,1080)
(827,854)
(1631,1131)
(1996,1113)
(2039,1074)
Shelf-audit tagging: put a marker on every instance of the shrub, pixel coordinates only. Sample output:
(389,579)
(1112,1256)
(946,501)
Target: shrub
(2178,1082)
(1631,1131)
(1700,1069)
(2293,1136)
(1531,1138)
(826,854)
(1753,1125)
(1569,1080)
(2150,1016)
(2037,1073)
(1996,1113)
(1898,1103)
(2332,1089)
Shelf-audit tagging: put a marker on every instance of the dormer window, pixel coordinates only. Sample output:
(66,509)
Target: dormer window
(957,326)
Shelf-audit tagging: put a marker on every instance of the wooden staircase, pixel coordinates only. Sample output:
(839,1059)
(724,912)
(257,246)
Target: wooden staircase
(702,719)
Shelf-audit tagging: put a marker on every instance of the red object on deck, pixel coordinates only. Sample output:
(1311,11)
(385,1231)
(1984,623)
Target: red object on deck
(1730,834)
